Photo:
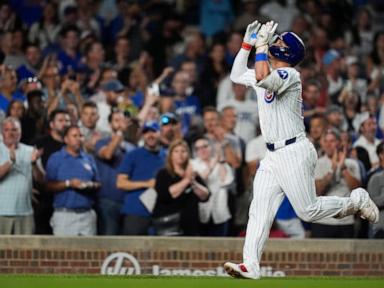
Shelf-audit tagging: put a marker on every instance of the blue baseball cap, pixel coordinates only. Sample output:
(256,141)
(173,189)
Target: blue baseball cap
(113,85)
(151,126)
(330,56)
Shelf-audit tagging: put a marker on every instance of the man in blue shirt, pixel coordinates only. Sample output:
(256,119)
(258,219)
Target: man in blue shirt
(186,106)
(32,65)
(72,175)
(68,56)
(136,174)
(110,152)
(8,85)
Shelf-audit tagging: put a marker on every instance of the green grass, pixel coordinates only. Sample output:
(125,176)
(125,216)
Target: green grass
(39,281)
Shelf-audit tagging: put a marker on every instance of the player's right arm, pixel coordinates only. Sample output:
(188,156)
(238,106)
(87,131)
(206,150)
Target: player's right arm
(240,73)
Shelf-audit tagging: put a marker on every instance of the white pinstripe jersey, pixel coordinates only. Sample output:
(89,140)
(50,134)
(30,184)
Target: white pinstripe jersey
(279,99)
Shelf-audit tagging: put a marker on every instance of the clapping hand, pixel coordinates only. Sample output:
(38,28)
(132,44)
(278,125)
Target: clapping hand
(12,153)
(251,33)
(83,185)
(190,173)
(334,161)
(341,157)
(36,154)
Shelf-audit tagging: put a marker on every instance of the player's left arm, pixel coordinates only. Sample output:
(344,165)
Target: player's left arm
(279,80)
(276,80)
(264,36)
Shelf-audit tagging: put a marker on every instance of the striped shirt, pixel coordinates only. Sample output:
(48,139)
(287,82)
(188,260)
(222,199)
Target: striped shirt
(279,99)
(16,186)
(279,102)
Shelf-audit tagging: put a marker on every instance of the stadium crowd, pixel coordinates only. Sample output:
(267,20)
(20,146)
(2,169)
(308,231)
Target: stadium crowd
(119,118)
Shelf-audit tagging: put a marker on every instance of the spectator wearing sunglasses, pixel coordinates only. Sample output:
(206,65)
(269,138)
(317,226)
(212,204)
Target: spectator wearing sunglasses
(136,174)
(215,213)
(170,129)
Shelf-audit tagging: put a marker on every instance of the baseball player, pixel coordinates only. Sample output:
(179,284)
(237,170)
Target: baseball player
(288,166)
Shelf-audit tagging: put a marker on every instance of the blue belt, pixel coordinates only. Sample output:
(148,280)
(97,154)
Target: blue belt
(271,146)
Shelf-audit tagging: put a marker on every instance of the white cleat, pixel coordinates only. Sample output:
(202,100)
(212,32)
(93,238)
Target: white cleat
(239,271)
(367,208)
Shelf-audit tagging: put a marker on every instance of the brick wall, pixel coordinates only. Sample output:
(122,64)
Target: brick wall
(185,256)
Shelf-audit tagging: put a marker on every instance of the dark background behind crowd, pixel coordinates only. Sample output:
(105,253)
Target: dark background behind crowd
(119,117)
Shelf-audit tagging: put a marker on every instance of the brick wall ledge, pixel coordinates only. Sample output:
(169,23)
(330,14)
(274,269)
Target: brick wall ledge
(187,244)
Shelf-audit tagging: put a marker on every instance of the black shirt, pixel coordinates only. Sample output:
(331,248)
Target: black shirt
(186,203)
(49,146)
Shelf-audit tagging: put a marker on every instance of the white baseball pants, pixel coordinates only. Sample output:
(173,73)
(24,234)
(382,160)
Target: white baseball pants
(288,170)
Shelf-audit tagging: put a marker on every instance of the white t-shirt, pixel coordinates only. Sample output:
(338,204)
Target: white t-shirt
(371,148)
(338,186)
(247,118)
(256,149)
(217,204)
(104,110)
(225,93)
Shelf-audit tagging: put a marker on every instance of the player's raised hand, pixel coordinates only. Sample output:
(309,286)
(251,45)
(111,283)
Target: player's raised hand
(251,33)
(271,28)
(262,37)
(265,34)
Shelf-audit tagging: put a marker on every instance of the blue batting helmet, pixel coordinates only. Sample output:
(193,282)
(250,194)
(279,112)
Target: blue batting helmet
(294,53)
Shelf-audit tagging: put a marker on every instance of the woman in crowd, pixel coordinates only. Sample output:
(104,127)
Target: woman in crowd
(349,100)
(213,72)
(179,190)
(16,109)
(46,31)
(214,214)
(375,63)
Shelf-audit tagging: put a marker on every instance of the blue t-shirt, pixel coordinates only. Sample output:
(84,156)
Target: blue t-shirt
(139,165)
(138,99)
(28,11)
(68,63)
(4,102)
(286,211)
(215,16)
(186,108)
(23,73)
(63,166)
(379,132)
(108,171)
